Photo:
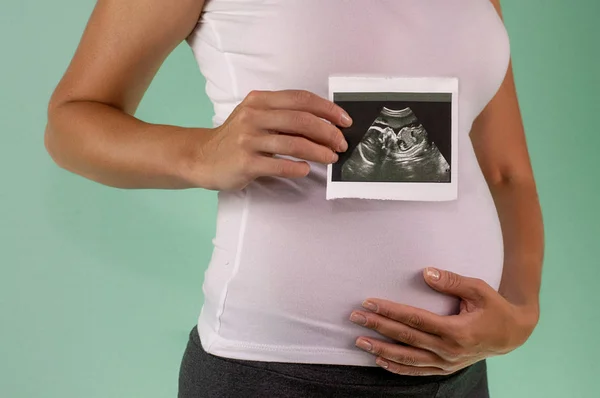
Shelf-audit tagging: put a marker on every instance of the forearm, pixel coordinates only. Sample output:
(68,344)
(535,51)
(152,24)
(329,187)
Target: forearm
(522,230)
(113,148)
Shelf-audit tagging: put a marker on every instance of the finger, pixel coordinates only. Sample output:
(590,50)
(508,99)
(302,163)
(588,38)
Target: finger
(301,100)
(404,355)
(263,166)
(416,318)
(295,146)
(400,332)
(411,370)
(302,123)
(473,289)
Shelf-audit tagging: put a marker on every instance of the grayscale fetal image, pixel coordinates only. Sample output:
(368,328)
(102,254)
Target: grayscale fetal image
(392,143)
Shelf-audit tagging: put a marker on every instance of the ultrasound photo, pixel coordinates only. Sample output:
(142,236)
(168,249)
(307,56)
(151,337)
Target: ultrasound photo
(396,148)
(403,140)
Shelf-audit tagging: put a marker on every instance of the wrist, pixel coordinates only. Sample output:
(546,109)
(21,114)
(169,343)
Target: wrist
(189,166)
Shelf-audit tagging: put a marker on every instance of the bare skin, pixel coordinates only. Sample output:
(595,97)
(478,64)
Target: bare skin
(92,132)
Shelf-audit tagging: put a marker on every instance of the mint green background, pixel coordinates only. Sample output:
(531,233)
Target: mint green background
(99,287)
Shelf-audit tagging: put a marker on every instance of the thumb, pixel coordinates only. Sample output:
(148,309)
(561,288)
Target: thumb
(470,289)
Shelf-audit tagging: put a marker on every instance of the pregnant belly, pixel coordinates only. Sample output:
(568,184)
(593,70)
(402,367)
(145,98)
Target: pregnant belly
(301,272)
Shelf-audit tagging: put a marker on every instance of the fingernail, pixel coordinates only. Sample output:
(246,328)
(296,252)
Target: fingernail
(370,306)
(335,157)
(433,273)
(346,120)
(381,363)
(364,344)
(358,318)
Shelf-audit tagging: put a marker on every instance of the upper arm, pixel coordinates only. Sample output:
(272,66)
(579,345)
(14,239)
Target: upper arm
(121,49)
(498,134)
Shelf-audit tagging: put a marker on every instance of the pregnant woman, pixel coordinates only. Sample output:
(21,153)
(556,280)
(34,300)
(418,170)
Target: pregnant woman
(305,297)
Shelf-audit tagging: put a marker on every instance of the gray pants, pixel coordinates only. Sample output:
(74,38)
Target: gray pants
(203,375)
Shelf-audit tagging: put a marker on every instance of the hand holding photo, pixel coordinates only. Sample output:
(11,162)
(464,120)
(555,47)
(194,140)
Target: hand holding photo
(403,142)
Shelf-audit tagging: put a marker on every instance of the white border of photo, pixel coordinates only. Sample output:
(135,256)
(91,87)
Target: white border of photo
(415,191)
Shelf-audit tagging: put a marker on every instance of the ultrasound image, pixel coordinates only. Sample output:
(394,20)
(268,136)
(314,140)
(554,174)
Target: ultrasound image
(396,148)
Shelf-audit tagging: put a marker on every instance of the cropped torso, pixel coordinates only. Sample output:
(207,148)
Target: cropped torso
(288,267)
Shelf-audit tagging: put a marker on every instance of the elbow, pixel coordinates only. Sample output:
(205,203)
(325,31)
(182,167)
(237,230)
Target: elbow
(510,176)
(48,142)
(52,141)
(502,178)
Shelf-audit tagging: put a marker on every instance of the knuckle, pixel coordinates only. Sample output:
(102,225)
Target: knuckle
(245,114)
(452,281)
(414,321)
(479,283)
(295,169)
(412,371)
(331,108)
(302,97)
(325,155)
(334,136)
(254,96)
(242,140)
(479,286)
(281,169)
(302,121)
(290,145)
(373,322)
(329,157)
(378,350)
(406,360)
(384,310)
(407,337)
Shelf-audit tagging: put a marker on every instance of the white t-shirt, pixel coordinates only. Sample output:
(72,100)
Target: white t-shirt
(288,266)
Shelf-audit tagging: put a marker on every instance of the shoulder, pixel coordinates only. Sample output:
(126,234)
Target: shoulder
(496,4)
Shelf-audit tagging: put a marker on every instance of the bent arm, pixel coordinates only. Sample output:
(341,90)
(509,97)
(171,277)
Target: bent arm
(499,141)
(91,130)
